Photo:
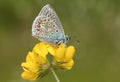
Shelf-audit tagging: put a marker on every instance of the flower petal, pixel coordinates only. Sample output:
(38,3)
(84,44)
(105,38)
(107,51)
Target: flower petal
(30,57)
(51,49)
(29,76)
(37,63)
(60,52)
(39,59)
(68,65)
(69,53)
(41,49)
(35,58)
(30,67)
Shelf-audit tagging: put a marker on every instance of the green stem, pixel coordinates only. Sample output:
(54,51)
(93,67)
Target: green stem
(54,74)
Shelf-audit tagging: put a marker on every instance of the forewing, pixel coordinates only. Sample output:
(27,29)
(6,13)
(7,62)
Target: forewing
(49,13)
(47,26)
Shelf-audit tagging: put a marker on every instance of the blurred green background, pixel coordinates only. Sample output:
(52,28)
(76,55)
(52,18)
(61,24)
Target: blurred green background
(96,23)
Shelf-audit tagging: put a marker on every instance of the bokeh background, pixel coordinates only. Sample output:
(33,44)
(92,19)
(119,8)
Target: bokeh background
(94,28)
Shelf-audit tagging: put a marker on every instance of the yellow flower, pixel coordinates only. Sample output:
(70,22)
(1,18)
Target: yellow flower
(45,56)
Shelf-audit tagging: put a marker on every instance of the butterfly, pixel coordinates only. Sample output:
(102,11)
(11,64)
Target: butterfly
(48,28)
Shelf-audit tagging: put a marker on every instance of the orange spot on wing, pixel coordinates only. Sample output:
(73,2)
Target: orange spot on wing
(38,25)
(44,19)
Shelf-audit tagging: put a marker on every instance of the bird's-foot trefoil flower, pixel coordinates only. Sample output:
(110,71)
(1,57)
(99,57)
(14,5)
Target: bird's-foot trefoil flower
(45,58)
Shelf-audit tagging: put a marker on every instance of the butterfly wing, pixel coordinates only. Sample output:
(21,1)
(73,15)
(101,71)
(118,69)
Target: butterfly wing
(47,27)
(49,13)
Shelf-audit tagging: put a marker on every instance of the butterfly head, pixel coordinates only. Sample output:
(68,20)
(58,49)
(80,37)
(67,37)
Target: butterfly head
(62,41)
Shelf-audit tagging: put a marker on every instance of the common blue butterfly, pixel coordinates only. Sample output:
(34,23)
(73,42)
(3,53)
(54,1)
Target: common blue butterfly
(47,27)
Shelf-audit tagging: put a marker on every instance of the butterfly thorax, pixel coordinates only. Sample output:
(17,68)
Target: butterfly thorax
(62,41)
